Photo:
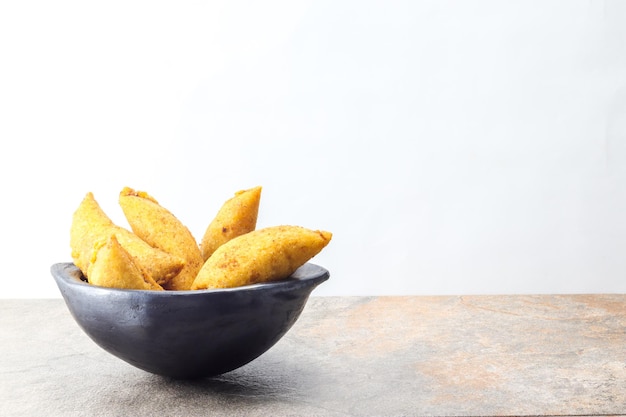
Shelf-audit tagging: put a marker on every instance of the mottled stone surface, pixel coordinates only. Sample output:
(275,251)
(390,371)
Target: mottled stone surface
(346,356)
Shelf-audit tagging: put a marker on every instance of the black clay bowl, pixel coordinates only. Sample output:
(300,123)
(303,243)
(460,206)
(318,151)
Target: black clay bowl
(187,334)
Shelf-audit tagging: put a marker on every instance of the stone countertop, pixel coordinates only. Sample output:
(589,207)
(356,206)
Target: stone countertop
(346,356)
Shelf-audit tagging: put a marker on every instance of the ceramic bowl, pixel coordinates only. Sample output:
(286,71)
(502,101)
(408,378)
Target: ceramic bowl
(187,334)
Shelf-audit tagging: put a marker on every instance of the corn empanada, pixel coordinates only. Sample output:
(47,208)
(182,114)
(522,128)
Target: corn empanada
(263,255)
(237,216)
(161,229)
(112,266)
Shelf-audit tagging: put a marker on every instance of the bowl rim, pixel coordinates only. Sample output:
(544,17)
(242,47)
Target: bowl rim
(309,274)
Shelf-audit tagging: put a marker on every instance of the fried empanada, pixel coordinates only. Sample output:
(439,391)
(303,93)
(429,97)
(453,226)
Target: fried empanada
(91,225)
(112,266)
(262,255)
(161,229)
(237,216)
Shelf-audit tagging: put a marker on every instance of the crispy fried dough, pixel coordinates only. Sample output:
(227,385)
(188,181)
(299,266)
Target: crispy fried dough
(237,216)
(91,226)
(112,266)
(262,255)
(161,229)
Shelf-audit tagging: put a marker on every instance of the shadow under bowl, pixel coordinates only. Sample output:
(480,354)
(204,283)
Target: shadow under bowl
(187,334)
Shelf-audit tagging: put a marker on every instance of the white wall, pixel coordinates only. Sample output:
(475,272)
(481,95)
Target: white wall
(451,146)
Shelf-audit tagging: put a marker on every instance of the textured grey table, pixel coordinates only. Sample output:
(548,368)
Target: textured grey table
(355,356)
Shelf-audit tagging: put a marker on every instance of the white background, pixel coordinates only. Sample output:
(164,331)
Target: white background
(450,146)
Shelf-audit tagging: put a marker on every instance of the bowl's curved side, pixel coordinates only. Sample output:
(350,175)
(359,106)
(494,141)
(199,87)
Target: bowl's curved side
(98,311)
(190,333)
